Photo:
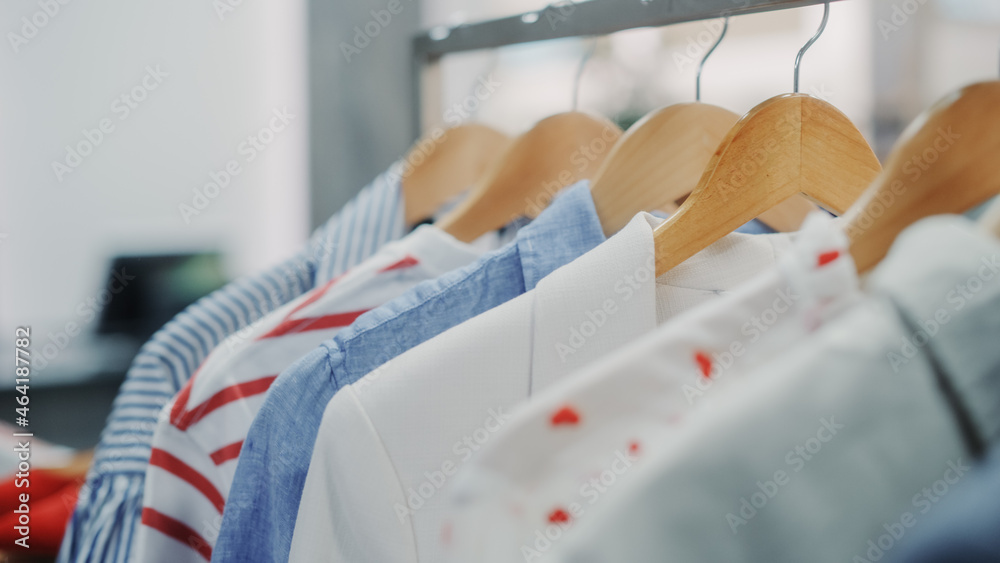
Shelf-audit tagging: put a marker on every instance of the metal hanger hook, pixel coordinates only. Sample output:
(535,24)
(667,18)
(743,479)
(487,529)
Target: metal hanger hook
(701,66)
(802,51)
(579,72)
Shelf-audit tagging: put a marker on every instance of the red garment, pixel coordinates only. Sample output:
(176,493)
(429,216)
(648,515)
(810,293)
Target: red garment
(43,483)
(48,519)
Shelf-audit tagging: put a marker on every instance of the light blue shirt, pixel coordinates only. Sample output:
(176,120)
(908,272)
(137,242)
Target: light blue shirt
(263,502)
(103,525)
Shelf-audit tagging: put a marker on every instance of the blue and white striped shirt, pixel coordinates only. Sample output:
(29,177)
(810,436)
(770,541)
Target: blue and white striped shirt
(103,525)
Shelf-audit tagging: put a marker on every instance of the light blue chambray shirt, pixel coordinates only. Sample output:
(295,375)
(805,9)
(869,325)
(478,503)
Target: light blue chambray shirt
(109,506)
(260,514)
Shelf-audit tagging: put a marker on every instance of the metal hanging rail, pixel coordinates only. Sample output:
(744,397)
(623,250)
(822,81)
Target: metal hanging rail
(574,19)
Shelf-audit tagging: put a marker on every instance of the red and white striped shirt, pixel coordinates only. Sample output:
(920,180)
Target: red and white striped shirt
(199,433)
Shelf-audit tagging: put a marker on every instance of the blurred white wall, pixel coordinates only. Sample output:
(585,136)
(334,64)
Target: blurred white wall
(220,70)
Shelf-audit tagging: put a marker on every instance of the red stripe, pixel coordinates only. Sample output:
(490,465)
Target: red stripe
(180,403)
(173,528)
(226,453)
(407,262)
(314,296)
(314,323)
(168,462)
(223,397)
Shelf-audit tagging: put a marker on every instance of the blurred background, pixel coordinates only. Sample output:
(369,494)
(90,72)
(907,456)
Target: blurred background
(100,247)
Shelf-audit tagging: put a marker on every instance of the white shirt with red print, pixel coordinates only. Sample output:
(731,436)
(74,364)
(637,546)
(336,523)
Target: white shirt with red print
(199,434)
(378,492)
(562,456)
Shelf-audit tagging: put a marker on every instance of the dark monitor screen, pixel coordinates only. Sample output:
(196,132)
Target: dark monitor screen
(147,291)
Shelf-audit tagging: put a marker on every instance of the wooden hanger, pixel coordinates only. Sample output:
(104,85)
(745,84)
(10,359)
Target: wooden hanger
(662,157)
(990,221)
(555,153)
(945,162)
(445,163)
(789,144)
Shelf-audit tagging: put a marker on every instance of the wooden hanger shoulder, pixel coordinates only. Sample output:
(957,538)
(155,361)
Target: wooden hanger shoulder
(445,163)
(658,161)
(945,162)
(787,145)
(555,153)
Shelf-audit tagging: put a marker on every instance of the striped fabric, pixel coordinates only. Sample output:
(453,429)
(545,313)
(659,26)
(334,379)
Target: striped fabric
(104,523)
(195,448)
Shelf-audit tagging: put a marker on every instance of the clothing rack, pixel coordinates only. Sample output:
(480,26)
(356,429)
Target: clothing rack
(559,20)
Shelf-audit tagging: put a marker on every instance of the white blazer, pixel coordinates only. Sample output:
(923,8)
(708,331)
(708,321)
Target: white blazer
(389,445)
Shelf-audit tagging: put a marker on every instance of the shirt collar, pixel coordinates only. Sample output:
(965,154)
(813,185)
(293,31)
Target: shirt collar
(608,297)
(441,252)
(729,262)
(944,277)
(560,233)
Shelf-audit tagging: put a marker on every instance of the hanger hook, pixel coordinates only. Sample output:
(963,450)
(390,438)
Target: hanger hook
(802,51)
(697,80)
(579,71)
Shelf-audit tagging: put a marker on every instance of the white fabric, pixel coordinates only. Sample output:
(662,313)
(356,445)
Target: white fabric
(835,451)
(201,431)
(391,442)
(541,474)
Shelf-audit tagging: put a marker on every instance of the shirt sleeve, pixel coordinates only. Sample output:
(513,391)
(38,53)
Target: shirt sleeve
(104,522)
(183,500)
